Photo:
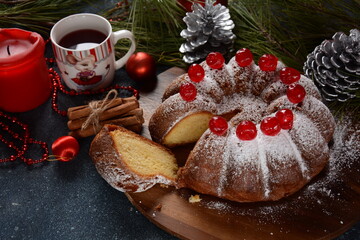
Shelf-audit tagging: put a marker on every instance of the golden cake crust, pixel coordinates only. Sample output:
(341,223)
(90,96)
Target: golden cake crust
(263,169)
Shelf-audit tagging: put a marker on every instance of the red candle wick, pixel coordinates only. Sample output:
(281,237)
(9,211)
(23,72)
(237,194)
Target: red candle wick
(8,49)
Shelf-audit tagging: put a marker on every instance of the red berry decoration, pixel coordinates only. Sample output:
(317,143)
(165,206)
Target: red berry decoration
(289,75)
(286,118)
(268,62)
(196,73)
(215,60)
(65,148)
(188,92)
(270,126)
(296,93)
(218,125)
(244,57)
(246,131)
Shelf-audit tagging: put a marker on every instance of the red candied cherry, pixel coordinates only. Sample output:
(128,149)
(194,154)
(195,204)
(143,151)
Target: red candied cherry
(296,93)
(289,75)
(244,57)
(286,118)
(196,73)
(188,92)
(270,126)
(215,60)
(218,125)
(246,130)
(268,62)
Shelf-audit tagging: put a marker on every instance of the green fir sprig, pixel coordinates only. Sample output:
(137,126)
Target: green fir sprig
(156,26)
(36,15)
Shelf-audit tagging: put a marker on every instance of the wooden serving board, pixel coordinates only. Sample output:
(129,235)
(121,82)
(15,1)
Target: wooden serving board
(323,209)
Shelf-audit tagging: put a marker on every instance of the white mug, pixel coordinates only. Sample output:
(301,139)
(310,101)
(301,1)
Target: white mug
(88,65)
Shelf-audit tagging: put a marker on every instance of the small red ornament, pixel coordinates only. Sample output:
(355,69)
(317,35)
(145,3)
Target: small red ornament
(268,62)
(65,148)
(187,4)
(188,92)
(244,57)
(289,75)
(215,60)
(286,118)
(270,126)
(296,93)
(218,125)
(141,67)
(196,73)
(246,130)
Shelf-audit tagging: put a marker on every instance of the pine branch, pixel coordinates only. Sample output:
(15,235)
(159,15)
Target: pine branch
(156,26)
(36,15)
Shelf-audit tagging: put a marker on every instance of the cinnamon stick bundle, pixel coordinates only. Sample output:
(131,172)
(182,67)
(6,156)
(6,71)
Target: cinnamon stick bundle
(120,111)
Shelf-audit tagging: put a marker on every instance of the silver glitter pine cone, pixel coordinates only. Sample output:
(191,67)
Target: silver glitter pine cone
(334,65)
(209,29)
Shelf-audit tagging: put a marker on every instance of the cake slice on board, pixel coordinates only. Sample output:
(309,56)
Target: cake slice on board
(130,162)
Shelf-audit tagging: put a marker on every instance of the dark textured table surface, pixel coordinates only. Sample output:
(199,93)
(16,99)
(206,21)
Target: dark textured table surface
(69,200)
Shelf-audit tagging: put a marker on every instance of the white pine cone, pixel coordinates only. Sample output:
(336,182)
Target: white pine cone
(334,65)
(209,29)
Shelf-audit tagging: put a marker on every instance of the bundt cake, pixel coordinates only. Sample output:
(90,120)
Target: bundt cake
(261,131)
(130,162)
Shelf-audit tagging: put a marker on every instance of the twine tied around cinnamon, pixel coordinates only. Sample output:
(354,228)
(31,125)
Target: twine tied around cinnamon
(97,108)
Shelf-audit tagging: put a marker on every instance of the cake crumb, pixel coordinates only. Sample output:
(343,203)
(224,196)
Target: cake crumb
(164,185)
(158,207)
(194,199)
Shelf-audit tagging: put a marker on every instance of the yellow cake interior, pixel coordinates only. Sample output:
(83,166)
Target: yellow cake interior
(144,157)
(188,130)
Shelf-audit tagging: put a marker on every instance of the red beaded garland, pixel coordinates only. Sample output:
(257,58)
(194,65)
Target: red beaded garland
(270,126)
(218,125)
(289,75)
(286,118)
(215,60)
(25,140)
(296,93)
(268,62)
(196,73)
(188,92)
(246,130)
(244,57)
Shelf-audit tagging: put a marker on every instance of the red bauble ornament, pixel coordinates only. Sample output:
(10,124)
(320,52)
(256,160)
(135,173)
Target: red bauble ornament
(188,92)
(268,62)
(187,4)
(215,60)
(141,66)
(286,118)
(244,57)
(270,126)
(289,75)
(246,130)
(65,148)
(218,125)
(296,93)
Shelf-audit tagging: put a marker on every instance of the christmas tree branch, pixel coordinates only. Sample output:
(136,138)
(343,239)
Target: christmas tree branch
(36,15)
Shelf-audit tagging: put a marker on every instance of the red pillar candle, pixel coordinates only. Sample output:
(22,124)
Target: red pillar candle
(24,78)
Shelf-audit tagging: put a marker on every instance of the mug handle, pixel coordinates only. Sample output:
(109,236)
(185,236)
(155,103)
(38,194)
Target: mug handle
(124,34)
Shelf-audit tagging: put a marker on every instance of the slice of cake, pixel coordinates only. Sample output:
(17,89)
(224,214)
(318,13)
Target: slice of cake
(130,162)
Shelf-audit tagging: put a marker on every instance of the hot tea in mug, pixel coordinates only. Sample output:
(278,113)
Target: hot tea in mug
(83,45)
